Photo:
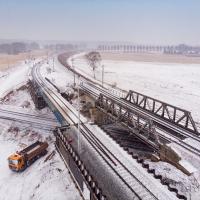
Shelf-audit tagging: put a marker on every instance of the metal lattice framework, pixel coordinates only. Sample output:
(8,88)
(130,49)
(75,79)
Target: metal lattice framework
(175,115)
(142,126)
(77,167)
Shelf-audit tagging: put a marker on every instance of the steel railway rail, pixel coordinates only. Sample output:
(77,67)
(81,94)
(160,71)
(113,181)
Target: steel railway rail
(35,116)
(96,90)
(107,155)
(158,121)
(114,162)
(30,124)
(163,132)
(32,120)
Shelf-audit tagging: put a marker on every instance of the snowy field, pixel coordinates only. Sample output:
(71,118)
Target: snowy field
(60,76)
(177,84)
(44,179)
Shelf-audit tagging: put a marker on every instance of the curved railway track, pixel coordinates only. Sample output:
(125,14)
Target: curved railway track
(162,131)
(125,174)
(158,121)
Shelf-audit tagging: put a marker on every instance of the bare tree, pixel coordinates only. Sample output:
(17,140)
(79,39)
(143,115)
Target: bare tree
(94,59)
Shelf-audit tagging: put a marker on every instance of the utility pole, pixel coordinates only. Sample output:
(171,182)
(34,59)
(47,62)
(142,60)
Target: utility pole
(102,74)
(74,71)
(79,134)
(8,63)
(53,65)
(47,57)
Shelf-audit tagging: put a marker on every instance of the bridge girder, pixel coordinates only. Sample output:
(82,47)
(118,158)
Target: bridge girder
(170,113)
(140,125)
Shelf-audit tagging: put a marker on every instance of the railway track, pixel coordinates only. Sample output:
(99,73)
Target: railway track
(28,119)
(140,153)
(109,154)
(168,132)
(163,131)
(97,89)
(29,115)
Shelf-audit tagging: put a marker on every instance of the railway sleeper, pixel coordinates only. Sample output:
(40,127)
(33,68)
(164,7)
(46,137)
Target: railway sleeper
(62,59)
(95,191)
(141,160)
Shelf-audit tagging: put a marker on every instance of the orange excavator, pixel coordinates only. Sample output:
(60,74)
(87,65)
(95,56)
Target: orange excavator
(19,161)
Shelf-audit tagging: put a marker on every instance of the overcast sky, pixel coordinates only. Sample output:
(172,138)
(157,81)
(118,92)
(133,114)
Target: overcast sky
(138,21)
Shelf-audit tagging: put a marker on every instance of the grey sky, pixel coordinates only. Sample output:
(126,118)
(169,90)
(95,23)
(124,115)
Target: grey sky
(138,21)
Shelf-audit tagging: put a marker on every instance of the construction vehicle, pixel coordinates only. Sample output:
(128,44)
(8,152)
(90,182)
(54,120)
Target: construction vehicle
(19,161)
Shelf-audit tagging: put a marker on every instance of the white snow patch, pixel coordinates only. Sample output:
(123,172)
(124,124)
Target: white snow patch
(187,166)
(42,180)
(177,84)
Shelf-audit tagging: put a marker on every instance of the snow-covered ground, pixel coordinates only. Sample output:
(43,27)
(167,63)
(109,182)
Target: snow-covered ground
(44,179)
(177,84)
(188,185)
(15,77)
(61,77)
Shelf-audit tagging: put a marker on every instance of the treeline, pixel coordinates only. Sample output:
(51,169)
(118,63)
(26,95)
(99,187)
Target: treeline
(18,47)
(183,49)
(60,47)
(177,49)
